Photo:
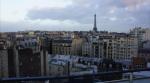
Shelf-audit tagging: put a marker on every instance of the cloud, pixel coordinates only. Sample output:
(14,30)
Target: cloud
(46,24)
(82,11)
(112,15)
(113,18)
(135,3)
(16,10)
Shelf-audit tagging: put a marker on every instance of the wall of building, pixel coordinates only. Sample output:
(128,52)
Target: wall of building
(3,63)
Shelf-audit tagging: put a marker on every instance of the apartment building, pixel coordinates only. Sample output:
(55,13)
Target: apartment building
(117,46)
(142,35)
(61,46)
(3,58)
(71,46)
(27,58)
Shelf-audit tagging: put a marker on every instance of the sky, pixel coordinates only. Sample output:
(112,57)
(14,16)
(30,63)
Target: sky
(73,15)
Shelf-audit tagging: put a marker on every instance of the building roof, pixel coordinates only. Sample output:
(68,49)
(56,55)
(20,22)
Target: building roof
(143,73)
(62,41)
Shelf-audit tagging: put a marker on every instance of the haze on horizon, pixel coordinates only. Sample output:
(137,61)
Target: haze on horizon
(73,15)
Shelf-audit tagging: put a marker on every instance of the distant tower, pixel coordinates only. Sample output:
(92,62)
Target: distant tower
(95,26)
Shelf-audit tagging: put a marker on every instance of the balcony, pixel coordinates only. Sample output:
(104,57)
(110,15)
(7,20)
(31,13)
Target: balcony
(86,78)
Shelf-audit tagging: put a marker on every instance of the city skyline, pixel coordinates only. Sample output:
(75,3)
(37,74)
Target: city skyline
(73,15)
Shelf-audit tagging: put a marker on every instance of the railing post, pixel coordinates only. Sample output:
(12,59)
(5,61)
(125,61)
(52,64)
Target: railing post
(131,78)
(46,81)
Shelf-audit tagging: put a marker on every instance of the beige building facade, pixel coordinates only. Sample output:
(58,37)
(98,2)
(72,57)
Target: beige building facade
(112,47)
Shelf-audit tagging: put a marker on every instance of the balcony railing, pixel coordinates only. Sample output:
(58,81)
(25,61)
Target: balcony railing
(86,78)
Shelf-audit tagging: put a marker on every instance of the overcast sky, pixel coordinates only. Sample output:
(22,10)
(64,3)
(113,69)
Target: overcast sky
(70,15)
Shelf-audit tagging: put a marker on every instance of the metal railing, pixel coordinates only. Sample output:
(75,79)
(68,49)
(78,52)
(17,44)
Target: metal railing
(86,78)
